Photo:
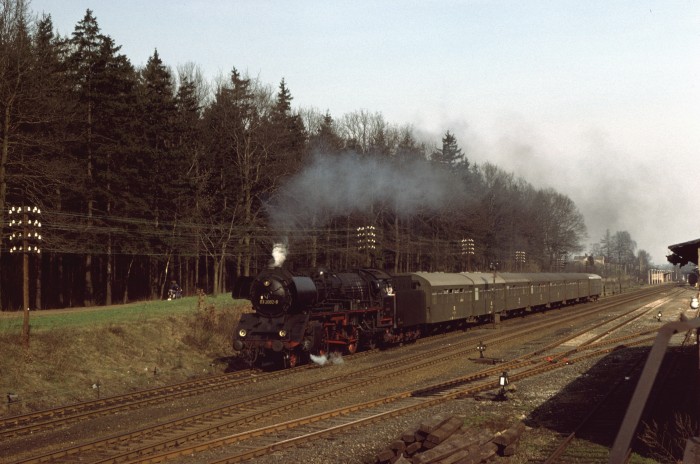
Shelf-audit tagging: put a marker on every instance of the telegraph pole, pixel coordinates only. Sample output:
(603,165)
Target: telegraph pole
(25,219)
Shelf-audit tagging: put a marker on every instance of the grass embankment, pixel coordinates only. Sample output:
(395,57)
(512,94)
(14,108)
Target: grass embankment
(119,348)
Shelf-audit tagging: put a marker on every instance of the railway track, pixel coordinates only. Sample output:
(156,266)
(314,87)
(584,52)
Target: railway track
(63,415)
(227,420)
(276,437)
(600,422)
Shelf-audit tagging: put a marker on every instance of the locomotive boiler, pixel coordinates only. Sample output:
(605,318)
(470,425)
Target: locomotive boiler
(297,315)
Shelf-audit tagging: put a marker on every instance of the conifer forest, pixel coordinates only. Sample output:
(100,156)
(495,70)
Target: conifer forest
(145,175)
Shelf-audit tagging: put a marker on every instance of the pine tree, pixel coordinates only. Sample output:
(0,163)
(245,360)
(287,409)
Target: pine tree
(48,134)
(287,132)
(189,181)
(450,154)
(84,62)
(117,123)
(236,159)
(103,83)
(158,112)
(326,140)
(408,149)
(159,171)
(15,70)
(15,92)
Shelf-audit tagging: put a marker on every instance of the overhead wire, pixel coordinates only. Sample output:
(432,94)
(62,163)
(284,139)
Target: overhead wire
(66,232)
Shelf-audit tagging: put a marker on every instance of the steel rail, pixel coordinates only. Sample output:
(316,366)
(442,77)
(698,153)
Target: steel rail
(544,367)
(421,403)
(437,352)
(25,423)
(564,445)
(165,392)
(619,451)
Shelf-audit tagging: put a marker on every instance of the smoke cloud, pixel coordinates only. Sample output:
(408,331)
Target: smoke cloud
(614,188)
(333,185)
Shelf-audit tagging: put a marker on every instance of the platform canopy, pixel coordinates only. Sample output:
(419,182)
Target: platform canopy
(683,253)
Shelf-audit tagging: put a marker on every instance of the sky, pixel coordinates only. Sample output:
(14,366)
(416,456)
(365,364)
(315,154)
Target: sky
(597,99)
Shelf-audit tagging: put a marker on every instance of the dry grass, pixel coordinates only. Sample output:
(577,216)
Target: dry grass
(666,441)
(63,364)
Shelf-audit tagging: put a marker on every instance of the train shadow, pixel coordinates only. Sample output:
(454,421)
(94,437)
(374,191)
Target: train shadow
(672,401)
(232,363)
(237,363)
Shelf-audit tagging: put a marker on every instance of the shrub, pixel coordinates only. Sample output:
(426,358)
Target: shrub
(666,442)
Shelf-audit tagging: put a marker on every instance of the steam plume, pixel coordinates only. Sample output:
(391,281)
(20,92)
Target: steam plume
(332,358)
(320,359)
(279,254)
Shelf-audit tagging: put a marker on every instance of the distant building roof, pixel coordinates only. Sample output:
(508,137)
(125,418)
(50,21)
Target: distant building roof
(684,253)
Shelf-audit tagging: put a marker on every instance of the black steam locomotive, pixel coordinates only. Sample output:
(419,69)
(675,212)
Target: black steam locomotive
(297,316)
(312,314)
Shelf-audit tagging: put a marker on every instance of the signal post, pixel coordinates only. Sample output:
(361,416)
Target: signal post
(25,220)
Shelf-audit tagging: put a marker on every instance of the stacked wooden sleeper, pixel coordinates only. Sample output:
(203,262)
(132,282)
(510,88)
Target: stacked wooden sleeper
(448,441)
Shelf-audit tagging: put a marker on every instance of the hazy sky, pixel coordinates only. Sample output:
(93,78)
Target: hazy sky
(597,99)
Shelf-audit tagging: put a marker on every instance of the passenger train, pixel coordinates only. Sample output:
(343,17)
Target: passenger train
(297,315)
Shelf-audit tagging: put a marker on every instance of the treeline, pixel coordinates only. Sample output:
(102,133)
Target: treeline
(150,175)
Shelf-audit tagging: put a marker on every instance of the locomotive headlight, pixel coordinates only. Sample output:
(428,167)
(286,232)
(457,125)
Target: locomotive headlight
(283,333)
(242,333)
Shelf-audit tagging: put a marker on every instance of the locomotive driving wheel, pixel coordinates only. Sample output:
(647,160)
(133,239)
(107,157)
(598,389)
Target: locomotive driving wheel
(354,340)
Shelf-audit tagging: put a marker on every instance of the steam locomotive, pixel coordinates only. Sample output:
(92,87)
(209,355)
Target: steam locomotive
(300,315)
